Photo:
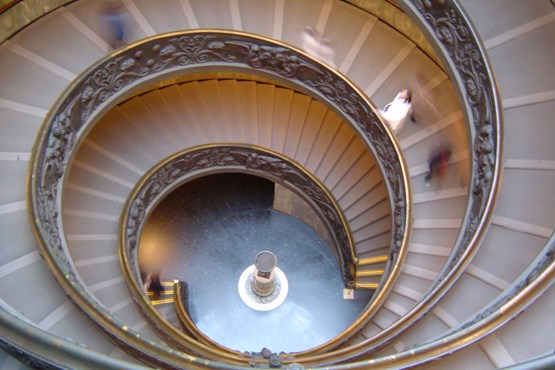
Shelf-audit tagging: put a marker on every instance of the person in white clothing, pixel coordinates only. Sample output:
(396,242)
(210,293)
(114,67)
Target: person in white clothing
(396,112)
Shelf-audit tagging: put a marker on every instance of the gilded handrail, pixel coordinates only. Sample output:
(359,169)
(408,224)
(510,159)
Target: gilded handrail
(180,295)
(207,159)
(534,281)
(369,273)
(8,5)
(175,170)
(372,260)
(466,62)
(17,14)
(486,140)
(129,68)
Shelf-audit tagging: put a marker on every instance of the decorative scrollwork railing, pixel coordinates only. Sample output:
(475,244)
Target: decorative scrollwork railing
(434,16)
(205,160)
(116,77)
(467,64)
(460,49)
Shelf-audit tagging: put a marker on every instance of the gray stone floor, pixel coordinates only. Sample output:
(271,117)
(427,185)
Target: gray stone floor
(211,257)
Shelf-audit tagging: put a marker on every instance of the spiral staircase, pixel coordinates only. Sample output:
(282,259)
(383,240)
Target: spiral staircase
(460,271)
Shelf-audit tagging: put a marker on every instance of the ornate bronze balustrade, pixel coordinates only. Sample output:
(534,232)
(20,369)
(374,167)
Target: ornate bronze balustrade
(465,59)
(122,73)
(202,161)
(460,49)
(253,160)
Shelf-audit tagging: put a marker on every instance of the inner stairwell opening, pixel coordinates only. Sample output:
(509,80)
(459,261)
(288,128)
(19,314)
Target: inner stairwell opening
(207,231)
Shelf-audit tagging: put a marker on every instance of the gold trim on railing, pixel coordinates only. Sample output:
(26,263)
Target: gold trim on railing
(538,277)
(157,302)
(74,288)
(297,171)
(228,150)
(372,260)
(84,100)
(169,332)
(151,294)
(392,14)
(369,273)
(129,264)
(482,108)
(8,5)
(186,322)
(366,286)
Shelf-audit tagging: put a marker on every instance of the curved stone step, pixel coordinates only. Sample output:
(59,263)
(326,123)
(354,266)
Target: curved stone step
(23,94)
(522,224)
(523,221)
(101,220)
(114,175)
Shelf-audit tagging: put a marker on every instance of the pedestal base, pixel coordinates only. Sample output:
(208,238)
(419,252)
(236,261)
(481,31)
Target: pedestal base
(257,302)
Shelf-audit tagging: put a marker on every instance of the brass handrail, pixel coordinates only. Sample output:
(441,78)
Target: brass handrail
(14,18)
(118,75)
(482,176)
(369,273)
(49,351)
(366,286)
(251,159)
(454,36)
(180,294)
(207,159)
(372,260)
(534,281)
(8,5)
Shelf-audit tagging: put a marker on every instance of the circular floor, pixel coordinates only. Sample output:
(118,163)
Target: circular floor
(314,310)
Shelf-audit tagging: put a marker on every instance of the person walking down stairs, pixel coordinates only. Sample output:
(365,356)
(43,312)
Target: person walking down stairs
(396,112)
(438,161)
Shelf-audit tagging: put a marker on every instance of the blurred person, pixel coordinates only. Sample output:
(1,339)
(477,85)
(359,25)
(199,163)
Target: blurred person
(438,161)
(153,284)
(115,17)
(396,112)
(317,46)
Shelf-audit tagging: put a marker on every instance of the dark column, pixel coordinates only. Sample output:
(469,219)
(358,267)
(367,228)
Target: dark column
(264,264)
